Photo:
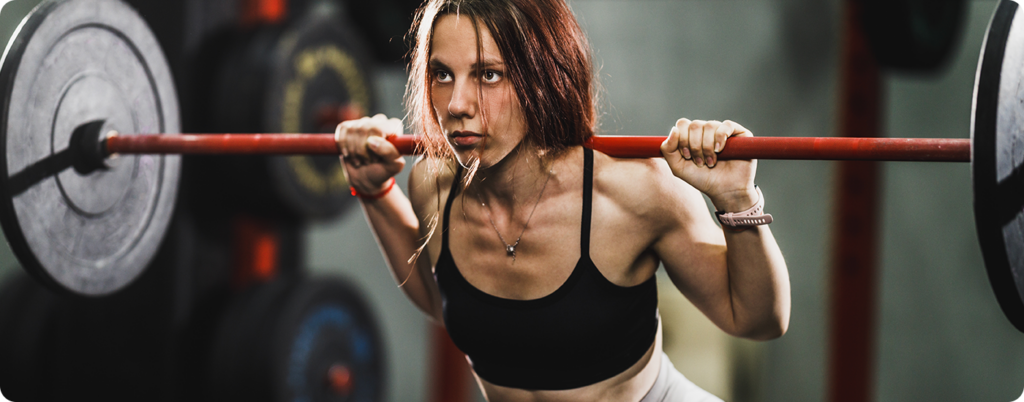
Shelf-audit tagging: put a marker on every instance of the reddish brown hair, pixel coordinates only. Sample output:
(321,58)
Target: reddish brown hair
(547,60)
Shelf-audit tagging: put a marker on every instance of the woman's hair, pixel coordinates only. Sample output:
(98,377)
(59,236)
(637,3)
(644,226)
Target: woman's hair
(547,59)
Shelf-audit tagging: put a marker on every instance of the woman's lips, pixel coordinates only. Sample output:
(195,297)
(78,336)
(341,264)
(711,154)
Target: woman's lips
(466,138)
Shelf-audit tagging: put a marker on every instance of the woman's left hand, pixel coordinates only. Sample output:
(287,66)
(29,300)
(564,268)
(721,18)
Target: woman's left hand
(691,151)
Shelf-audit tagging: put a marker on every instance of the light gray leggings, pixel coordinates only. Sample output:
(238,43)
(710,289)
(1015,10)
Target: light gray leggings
(671,386)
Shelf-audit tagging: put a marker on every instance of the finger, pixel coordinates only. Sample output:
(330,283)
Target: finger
(339,139)
(708,142)
(696,132)
(355,139)
(683,128)
(384,150)
(368,129)
(726,130)
(670,148)
(395,126)
(738,130)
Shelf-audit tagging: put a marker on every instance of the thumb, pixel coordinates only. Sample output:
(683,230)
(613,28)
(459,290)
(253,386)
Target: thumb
(383,148)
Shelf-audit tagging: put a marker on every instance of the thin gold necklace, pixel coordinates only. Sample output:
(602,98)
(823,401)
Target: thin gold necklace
(510,249)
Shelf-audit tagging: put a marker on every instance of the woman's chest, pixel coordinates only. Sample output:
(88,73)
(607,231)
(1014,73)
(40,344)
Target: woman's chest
(547,250)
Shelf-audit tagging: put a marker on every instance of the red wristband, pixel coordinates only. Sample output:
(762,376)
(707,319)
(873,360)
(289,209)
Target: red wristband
(391,184)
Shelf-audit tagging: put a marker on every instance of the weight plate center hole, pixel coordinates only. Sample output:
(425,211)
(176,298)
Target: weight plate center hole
(339,377)
(92,97)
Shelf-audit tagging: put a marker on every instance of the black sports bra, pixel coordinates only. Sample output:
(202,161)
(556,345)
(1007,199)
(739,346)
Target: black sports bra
(587,331)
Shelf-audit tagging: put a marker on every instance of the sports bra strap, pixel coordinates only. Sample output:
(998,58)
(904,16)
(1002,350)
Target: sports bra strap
(588,189)
(448,204)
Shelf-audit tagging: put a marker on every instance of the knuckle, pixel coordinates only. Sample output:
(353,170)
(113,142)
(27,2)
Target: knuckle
(697,150)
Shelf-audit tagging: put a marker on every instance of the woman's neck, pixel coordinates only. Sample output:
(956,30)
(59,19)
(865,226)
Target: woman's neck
(515,180)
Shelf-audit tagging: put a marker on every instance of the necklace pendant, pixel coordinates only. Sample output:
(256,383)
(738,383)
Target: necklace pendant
(510,250)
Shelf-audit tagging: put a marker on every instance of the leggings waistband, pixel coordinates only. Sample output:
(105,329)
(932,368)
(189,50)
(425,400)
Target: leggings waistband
(672,386)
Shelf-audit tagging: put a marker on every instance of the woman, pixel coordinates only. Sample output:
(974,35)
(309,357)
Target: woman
(538,255)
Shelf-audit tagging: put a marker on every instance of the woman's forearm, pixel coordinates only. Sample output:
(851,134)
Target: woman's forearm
(758,283)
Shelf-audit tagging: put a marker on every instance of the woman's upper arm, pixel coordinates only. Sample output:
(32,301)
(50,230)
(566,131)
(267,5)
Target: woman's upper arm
(691,247)
(425,189)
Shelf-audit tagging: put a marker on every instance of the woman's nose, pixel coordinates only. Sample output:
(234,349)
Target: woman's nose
(463,102)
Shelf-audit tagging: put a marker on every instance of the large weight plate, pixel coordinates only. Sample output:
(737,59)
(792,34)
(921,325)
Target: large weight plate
(319,68)
(72,62)
(997,146)
(297,340)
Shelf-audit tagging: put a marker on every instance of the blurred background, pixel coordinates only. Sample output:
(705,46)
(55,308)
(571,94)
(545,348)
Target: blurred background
(775,66)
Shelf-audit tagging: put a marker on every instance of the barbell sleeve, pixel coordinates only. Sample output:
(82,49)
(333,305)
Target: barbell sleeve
(802,148)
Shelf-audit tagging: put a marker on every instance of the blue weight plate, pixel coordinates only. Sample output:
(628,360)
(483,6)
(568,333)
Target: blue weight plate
(297,340)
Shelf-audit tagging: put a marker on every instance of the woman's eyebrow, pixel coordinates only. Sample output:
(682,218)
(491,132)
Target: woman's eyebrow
(438,65)
(489,64)
(492,63)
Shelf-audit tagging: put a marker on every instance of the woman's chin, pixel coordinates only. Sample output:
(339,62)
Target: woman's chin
(467,158)
(481,158)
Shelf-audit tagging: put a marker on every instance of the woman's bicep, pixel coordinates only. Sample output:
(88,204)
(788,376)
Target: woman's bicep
(693,253)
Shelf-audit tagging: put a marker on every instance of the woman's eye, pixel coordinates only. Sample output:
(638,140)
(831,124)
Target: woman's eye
(491,77)
(442,76)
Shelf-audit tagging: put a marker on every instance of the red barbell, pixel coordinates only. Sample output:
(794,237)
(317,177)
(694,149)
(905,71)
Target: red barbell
(807,148)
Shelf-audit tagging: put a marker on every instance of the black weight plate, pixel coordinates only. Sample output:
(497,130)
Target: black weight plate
(279,342)
(320,68)
(385,23)
(70,63)
(997,147)
(26,336)
(912,35)
(238,363)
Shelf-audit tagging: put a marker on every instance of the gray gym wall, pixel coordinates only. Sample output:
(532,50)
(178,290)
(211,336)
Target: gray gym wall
(772,66)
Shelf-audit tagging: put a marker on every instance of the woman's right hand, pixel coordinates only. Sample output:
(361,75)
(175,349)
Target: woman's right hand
(369,160)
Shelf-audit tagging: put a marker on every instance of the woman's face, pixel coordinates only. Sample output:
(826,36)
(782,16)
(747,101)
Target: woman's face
(473,100)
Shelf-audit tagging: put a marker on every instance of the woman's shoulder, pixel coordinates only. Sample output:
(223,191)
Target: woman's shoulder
(430,181)
(644,186)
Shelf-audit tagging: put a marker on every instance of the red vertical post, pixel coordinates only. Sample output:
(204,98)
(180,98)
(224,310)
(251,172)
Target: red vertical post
(449,380)
(855,249)
(255,12)
(256,245)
